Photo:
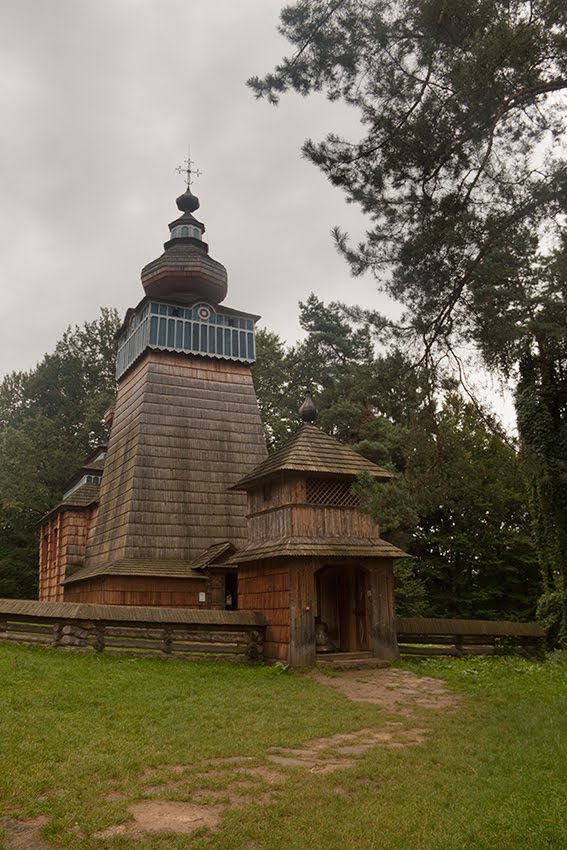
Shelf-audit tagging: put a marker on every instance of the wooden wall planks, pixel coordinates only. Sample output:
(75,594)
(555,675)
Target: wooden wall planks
(265,588)
(62,546)
(185,428)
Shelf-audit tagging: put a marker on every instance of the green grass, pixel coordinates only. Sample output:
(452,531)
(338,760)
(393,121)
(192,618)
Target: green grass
(491,775)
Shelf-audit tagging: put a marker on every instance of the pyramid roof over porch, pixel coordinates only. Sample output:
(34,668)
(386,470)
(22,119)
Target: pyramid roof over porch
(313,451)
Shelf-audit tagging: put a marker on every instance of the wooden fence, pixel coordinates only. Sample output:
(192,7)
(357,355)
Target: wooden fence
(231,635)
(158,632)
(423,636)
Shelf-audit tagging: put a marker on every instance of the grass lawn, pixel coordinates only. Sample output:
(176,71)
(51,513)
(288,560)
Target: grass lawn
(83,737)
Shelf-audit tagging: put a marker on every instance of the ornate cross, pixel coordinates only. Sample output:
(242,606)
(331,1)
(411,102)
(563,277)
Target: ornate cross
(188,170)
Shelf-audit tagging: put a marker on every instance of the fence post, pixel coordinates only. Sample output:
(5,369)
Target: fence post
(57,634)
(167,640)
(99,637)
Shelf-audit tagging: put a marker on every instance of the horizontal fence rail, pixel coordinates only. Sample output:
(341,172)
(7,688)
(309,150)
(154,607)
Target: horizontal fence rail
(157,632)
(232,635)
(428,636)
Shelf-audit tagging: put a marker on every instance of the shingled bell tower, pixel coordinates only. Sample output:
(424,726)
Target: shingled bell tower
(186,427)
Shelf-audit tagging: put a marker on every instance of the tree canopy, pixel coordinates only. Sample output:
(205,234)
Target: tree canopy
(50,418)
(461,169)
(457,503)
(460,166)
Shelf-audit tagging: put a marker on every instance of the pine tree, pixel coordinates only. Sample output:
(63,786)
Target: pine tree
(463,174)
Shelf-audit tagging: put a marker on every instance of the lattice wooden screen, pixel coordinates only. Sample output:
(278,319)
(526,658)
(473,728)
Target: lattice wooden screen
(323,491)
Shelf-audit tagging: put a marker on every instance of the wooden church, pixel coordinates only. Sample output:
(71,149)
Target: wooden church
(184,508)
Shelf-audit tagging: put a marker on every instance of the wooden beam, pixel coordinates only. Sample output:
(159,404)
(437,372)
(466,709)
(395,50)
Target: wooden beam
(382,621)
(302,614)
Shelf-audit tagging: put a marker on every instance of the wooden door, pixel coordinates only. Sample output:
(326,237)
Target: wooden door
(342,605)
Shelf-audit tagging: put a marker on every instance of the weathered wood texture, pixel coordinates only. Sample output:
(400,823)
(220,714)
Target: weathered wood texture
(142,590)
(227,636)
(354,600)
(266,588)
(382,621)
(313,452)
(342,606)
(428,636)
(300,520)
(340,571)
(185,428)
(302,610)
(62,547)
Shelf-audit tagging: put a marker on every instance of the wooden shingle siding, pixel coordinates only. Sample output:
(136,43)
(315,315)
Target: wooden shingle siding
(62,547)
(348,549)
(185,428)
(265,588)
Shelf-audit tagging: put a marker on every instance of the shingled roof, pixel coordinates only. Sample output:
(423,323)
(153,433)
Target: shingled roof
(81,498)
(130,567)
(156,567)
(311,450)
(328,547)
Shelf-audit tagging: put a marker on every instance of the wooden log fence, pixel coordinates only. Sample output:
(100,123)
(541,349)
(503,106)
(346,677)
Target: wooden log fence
(232,635)
(148,631)
(428,636)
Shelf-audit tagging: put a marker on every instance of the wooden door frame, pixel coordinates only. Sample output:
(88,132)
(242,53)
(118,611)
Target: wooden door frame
(349,584)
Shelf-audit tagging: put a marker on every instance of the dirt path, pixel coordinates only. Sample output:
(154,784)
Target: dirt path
(395,691)
(177,798)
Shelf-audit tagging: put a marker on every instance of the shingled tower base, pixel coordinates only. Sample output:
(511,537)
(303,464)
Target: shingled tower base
(186,427)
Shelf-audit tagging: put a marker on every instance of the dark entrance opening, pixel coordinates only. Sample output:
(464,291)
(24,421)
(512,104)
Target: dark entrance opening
(341,606)
(231,591)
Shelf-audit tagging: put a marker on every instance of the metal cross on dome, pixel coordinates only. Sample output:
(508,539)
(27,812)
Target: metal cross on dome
(188,170)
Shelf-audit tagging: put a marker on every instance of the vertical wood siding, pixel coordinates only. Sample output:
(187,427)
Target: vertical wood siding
(139,590)
(62,547)
(306,520)
(265,588)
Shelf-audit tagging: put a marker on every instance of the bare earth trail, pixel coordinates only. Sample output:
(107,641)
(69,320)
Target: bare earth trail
(177,798)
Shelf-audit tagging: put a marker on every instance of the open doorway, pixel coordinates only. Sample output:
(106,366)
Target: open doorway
(231,591)
(342,606)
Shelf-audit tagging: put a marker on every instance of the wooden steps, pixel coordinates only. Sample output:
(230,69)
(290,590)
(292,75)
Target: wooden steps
(349,661)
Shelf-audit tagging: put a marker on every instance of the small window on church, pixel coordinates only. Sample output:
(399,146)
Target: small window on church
(184,231)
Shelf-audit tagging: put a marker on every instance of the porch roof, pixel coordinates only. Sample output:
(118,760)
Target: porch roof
(327,547)
(313,451)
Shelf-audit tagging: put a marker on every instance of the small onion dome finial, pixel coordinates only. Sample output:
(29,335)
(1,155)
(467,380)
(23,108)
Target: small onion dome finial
(308,411)
(187,202)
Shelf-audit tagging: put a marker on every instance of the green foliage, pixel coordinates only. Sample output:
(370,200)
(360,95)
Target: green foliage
(278,387)
(457,502)
(473,542)
(462,171)
(410,590)
(50,418)
(454,98)
(550,613)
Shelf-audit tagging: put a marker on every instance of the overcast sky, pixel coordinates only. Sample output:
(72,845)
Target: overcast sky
(98,102)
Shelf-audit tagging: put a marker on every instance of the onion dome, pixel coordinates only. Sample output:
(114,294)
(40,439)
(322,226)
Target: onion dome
(185,272)
(308,411)
(188,202)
